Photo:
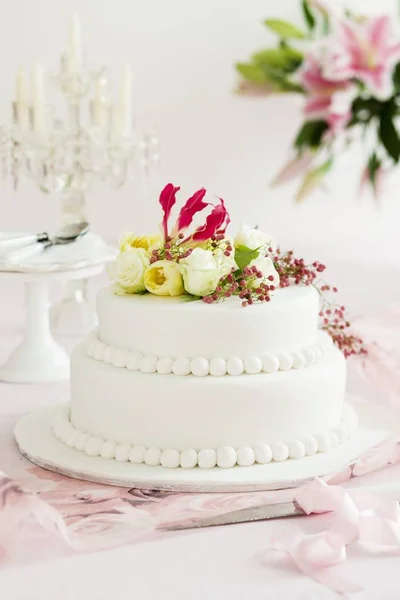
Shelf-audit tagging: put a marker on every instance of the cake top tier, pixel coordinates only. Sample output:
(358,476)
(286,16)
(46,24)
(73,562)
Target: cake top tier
(171,327)
(143,309)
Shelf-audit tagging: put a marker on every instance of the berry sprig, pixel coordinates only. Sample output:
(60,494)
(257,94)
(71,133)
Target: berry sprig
(249,284)
(333,317)
(173,249)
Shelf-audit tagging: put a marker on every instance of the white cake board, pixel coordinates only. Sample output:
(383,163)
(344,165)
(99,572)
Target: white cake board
(36,441)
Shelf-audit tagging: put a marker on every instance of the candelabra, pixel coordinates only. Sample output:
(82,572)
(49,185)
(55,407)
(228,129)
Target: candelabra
(92,140)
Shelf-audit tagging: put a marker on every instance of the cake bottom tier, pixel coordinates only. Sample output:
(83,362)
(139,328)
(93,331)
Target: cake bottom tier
(188,421)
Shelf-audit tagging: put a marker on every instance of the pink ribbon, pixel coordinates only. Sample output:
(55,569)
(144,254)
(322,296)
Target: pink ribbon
(357,516)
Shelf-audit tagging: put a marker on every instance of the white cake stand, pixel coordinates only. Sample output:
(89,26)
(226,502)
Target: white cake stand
(39,358)
(36,441)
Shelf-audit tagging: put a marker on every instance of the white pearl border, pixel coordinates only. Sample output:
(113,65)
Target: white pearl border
(202,367)
(208,458)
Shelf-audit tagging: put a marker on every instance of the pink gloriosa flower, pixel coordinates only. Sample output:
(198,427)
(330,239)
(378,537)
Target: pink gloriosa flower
(167,201)
(194,205)
(216,222)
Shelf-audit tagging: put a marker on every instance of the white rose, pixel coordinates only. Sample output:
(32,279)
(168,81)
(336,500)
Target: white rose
(225,263)
(265,265)
(253,238)
(128,271)
(200,272)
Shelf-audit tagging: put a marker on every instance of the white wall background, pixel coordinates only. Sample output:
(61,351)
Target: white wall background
(182,54)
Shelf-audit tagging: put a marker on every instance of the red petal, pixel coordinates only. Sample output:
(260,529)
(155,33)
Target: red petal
(214,223)
(167,201)
(194,205)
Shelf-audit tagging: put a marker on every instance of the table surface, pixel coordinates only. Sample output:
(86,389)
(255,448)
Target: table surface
(228,562)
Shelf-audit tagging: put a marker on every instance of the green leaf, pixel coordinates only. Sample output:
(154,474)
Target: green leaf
(285,29)
(389,135)
(308,15)
(313,179)
(253,73)
(396,77)
(374,164)
(285,59)
(310,135)
(244,256)
(189,297)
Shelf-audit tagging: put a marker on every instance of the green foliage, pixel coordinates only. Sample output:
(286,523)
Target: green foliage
(252,72)
(244,256)
(189,297)
(312,179)
(374,164)
(308,15)
(284,29)
(388,133)
(310,135)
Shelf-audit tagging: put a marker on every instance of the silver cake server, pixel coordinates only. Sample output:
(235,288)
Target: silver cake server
(66,235)
(244,515)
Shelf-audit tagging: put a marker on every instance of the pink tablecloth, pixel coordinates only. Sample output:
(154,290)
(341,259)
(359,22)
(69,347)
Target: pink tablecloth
(231,562)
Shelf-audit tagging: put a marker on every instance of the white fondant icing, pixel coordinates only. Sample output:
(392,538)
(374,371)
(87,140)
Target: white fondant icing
(108,450)
(164,365)
(253,365)
(122,452)
(270,364)
(207,458)
(245,457)
(93,446)
(199,366)
(285,362)
(218,367)
(136,454)
(188,458)
(226,457)
(181,366)
(299,362)
(235,366)
(133,361)
(286,323)
(323,441)
(170,459)
(311,446)
(152,456)
(280,451)
(263,454)
(81,440)
(148,364)
(296,449)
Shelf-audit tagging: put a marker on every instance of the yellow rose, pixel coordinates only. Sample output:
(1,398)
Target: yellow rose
(164,278)
(147,242)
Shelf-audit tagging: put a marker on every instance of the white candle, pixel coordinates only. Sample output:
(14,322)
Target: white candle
(38,85)
(21,87)
(124,111)
(99,108)
(74,54)
(22,99)
(38,103)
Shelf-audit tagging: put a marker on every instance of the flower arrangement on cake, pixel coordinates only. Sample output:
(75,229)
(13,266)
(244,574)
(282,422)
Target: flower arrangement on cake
(347,67)
(205,263)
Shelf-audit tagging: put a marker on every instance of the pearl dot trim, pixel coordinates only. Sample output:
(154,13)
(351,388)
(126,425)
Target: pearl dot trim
(224,457)
(201,366)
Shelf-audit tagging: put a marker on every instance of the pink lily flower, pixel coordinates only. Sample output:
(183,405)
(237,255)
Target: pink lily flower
(365,50)
(327,99)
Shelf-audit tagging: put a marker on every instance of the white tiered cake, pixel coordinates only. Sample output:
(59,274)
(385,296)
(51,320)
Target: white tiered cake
(209,384)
